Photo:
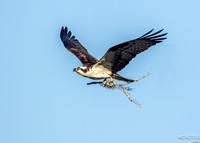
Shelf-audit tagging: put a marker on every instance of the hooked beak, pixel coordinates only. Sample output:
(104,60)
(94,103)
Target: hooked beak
(74,69)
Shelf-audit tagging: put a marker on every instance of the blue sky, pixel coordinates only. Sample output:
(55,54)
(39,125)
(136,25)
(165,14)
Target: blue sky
(43,101)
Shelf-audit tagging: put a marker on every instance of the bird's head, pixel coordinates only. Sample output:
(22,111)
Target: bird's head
(80,70)
(76,69)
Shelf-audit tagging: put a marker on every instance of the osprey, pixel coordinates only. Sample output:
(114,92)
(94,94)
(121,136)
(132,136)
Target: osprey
(115,59)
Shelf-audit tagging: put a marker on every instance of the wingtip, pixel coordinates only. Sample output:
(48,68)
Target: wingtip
(62,29)
(63,33)
(147,33)
(66,35)
(154,35)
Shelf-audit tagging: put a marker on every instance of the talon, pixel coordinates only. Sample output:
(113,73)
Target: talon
(107,84)
(111,84)
(104,83)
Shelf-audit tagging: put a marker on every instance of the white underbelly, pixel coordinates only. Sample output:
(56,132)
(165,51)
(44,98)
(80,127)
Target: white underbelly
(98,76)
(97,73)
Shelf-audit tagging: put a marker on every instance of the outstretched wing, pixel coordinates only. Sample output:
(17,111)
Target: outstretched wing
(117,57)
(74,46)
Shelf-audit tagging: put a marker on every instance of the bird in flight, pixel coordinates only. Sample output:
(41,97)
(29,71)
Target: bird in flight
(114,60)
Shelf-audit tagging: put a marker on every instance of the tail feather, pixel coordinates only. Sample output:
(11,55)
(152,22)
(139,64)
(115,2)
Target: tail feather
(119,77)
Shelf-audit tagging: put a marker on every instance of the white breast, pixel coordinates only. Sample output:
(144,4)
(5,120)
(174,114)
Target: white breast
(96,73)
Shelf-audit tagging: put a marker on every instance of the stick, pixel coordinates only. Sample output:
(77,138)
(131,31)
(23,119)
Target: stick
(136,80)
(94,83)
(129,97)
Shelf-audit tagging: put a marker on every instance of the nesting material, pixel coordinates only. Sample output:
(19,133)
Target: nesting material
(124,87)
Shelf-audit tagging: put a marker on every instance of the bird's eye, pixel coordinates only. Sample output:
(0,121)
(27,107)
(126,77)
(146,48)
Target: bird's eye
(78,68)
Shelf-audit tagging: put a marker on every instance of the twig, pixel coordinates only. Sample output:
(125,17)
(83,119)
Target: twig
(118,85)
(136,80)
(129,97)
(112,85)
(94,83)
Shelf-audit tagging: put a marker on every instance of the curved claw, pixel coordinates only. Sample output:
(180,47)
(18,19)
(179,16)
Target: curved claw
(109,84)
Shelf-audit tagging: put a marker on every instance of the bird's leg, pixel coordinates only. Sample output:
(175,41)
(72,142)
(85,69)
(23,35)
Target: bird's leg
(136,80)
(112,83)
(108,84)
(104,82)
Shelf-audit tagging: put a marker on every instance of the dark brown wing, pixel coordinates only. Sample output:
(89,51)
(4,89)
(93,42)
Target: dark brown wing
(117,57)
(74,46)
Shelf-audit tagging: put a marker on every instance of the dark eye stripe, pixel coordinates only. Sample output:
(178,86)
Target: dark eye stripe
(84,70)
